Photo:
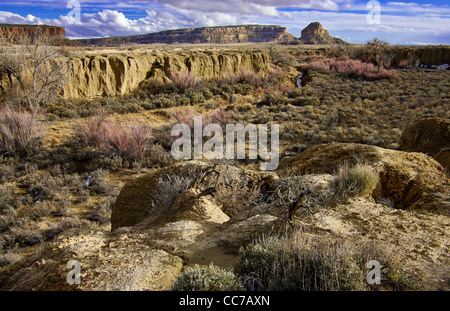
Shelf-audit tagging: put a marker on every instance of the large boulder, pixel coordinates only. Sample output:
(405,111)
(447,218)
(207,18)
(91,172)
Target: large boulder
(430,136)
(405,177)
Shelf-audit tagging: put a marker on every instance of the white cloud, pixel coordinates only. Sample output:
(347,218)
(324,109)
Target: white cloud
(431,28)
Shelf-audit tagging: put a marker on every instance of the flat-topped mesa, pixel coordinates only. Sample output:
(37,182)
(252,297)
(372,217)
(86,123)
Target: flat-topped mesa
(314,33)
(15,33)
(217,35)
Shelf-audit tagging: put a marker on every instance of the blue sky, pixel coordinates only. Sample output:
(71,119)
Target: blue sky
(400,22)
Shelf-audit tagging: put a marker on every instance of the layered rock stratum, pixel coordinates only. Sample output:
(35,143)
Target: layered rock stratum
(314,33)
(212,35)
(15,33)
(115,75)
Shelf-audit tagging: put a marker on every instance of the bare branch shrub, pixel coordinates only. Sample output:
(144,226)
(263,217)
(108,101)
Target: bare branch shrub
(185,80)
(21,132)
(131,141)
(353,68)
(35,71)
(167,191)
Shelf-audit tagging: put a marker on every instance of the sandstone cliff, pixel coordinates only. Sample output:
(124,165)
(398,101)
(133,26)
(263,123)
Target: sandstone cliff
(314,33)
(13,33)
(422,55)
(220,34)
(115,75)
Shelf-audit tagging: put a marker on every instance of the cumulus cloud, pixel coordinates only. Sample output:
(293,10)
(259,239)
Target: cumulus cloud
(172,14)
(258,7)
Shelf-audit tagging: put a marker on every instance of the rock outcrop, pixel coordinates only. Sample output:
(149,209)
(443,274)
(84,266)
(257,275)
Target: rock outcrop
(13,33)
(405,178)
(148,250)
(216,35)
(115,75)
(430,136)
(422,55)
(314,33)
(139,197)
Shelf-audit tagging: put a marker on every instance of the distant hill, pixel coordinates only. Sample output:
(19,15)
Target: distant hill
(313,34)
(219,34)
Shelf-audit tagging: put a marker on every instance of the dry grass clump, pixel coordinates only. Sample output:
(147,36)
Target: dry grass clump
(358,180)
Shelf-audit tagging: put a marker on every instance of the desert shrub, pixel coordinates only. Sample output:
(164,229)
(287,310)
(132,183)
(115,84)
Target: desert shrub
(296,262)
(243,76)
(8,201)
(130,141)
(158,157)
(211,278)
(352,68)
(16,236)
(167,190)
(40,210)
(376,51)
(357,180)
(21,133)
(101,213)
(185,80)
(235,196)
(98,182)
(41,185)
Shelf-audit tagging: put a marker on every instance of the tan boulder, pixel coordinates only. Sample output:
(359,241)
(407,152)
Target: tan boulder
(405,177)
(430,136)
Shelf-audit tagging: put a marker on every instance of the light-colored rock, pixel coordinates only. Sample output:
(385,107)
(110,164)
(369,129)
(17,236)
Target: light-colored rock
(405,177)
(117,74)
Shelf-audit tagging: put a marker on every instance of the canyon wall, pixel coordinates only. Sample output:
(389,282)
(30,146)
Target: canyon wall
(425,55)
(116,75)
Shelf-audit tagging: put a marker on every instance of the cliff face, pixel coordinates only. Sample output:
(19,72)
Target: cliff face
(225,34)
(116,75)
(314,33)
(12,33)
(425,55)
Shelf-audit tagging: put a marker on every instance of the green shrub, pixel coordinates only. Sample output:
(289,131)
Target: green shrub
(289,264)
(294,262)
(99,182)
(211,278)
